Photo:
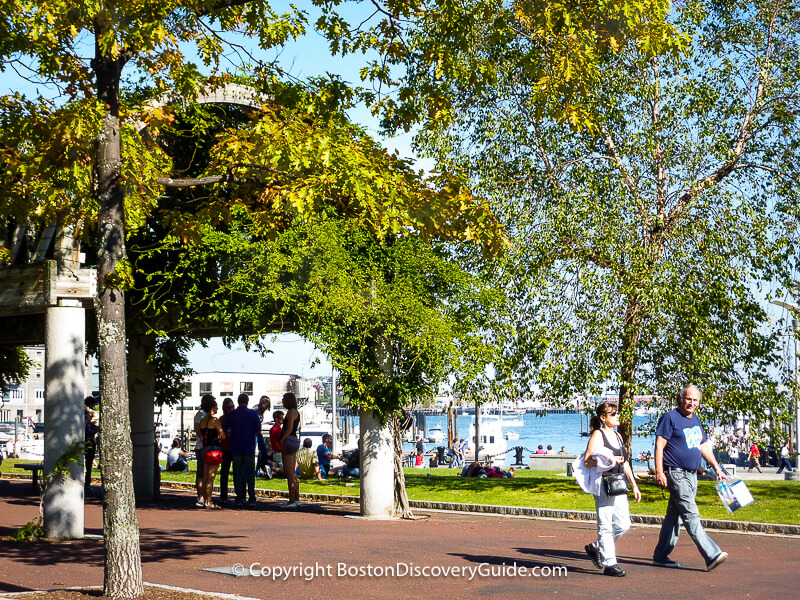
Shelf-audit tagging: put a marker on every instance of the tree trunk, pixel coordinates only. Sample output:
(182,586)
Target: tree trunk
(630,347)
(402,507)
(123,564)
(377,466)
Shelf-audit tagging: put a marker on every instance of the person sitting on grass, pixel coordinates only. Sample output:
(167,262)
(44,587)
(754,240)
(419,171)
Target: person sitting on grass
(307,462)
(352,467)
(177,459)
(324,456)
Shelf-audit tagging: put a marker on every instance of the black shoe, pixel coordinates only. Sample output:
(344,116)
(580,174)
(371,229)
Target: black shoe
(669,564)
(594,554)
(614,571)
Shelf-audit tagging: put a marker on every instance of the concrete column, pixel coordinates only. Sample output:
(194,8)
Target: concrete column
(141,394)
(377,467)
(65,337)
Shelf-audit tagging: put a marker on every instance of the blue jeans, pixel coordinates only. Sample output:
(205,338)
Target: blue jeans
(682,507)
(262,451)
(244,475)
(785,464)
(350,472)
(224,472)
(613,519)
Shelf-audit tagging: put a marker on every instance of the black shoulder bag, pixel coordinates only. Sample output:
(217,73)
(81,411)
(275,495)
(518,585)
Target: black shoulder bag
(615,484)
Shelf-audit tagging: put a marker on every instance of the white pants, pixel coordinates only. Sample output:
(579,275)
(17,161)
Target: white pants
(613,519)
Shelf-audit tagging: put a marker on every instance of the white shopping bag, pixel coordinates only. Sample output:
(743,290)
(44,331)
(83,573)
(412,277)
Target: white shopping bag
(734,494)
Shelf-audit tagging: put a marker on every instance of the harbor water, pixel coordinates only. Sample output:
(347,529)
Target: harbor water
(555,429)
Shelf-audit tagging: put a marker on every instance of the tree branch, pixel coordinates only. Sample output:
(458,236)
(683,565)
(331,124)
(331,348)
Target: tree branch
(744,135)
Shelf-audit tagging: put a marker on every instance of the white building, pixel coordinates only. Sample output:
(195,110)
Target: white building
(223,385)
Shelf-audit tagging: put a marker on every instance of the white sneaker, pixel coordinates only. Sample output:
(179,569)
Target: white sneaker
(717,561)
(201,502)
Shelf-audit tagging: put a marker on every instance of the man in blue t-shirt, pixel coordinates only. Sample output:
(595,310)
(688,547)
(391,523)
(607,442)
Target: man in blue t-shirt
(324,455)
(681,443)
(243,425)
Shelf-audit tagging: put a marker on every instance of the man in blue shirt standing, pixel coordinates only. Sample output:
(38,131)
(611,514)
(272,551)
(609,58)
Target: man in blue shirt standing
(243,424)
(681,443)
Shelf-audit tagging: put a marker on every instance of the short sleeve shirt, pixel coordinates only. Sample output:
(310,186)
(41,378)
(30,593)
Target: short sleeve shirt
(199,416)
(684,437)
(275,438)
(306,459)
(324,456)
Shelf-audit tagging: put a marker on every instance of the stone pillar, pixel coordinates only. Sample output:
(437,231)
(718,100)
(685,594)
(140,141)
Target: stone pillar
(65,337)
(141,390)
(377,467)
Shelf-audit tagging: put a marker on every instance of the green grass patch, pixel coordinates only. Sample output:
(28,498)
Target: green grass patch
(775,501)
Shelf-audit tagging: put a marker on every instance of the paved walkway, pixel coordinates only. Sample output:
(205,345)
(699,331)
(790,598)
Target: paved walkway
(179,542)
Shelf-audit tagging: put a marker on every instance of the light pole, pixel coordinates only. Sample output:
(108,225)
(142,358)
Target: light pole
(794,308)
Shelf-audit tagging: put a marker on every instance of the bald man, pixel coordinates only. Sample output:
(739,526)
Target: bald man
(681,443)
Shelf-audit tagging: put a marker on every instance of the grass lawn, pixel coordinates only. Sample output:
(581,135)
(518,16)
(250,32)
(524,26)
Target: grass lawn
(776,501)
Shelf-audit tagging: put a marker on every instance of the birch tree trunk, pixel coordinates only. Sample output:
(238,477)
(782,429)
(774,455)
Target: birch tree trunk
(123,565)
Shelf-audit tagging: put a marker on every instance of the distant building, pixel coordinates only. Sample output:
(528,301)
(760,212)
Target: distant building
(223,385)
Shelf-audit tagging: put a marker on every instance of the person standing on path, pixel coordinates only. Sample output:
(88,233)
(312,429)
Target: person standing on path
(290,444)
(199,453)
(613,513)
(243,424)
(263,408)
(212,433)
(91,427)
(227,455)
(681,443)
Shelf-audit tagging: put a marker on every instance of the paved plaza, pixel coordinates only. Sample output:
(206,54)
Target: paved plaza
(326,551)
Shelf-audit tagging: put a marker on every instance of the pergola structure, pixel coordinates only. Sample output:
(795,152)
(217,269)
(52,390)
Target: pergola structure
(46,298)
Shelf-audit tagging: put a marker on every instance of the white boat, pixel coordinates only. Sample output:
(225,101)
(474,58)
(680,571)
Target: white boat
(436,435)
(511,435)
(491,443)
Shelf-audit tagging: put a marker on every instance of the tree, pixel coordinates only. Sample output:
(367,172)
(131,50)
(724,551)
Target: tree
(14,366)
(420,50)
(644,241)
(67,160)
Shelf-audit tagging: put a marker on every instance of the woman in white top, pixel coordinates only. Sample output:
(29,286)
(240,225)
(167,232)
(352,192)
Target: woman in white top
(613,515)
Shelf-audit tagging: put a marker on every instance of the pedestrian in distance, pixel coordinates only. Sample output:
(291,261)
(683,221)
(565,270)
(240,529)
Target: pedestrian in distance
(275,442)
(263,408)
(205,403)
(605,454)
(91,419)
(308,466)
(681,443)
(753,457)
(324,456)
(227,455)
(419,452)
(211,430)
(784,460)
(290,444)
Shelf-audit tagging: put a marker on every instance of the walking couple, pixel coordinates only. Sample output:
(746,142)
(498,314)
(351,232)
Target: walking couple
(681,443)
